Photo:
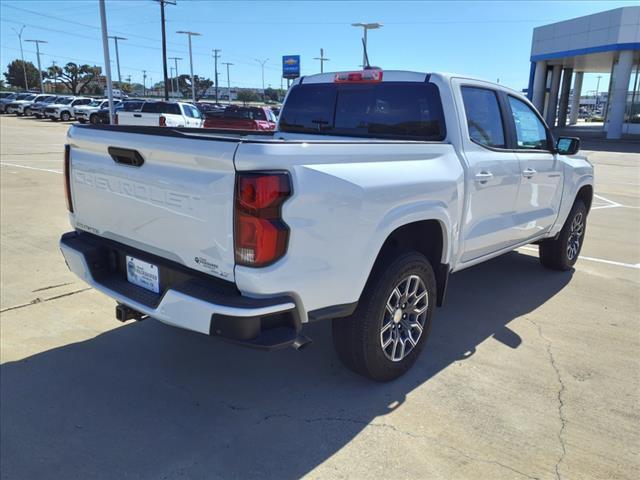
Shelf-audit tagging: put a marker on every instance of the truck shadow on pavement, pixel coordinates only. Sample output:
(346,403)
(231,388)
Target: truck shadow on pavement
(150,401)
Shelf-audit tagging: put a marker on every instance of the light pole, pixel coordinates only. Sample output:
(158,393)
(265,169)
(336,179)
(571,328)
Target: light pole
(107,61)
(262,62)
(322,60)
(38,42)
(228,81)
(365,27)
(175,59)
(171,75)
(193,83)
(115,39)
(597,88)
(24,67)
(216,52)
(144,83)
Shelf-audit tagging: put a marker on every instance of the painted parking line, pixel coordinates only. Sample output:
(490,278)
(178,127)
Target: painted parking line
(597,260)
(7,164)
(606,203)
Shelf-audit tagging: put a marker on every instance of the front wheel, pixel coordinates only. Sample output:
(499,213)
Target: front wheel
(65,116)
(93,119)
(388,330)
(27,112)
(561,253)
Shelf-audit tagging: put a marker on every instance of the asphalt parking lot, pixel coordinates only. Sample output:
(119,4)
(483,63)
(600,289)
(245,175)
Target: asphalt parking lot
(528,373)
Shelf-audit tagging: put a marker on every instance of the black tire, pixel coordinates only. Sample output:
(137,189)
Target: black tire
(93,119)
(18,114)
(27,112)
(81,120)
(65,116)
(562,252)
(358,338)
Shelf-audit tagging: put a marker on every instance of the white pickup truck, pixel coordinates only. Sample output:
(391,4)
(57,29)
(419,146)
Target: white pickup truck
(162,114)
(374,188)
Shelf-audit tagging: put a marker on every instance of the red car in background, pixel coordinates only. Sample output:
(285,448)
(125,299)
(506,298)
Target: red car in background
(236,117)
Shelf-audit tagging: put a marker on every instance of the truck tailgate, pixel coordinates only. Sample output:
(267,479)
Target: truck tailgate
(178,204)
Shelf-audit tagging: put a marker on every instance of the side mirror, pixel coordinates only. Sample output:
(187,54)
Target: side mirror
(568,145)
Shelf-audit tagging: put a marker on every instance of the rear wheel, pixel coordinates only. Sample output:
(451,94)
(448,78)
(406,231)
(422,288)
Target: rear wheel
(388,330)
(562,252)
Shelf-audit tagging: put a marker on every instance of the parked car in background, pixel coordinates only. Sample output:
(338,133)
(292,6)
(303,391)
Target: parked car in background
(162,114)
(88,113)
(64,110)
(23,107)
(102,115)
(4,102)
(6,94)
(370,193)
(212,108)
(37,108)
(242,118)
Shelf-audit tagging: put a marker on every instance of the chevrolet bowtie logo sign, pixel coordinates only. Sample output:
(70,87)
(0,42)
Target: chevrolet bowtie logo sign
(291,66)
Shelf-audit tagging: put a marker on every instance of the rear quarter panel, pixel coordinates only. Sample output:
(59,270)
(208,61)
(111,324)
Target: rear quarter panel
(347,199)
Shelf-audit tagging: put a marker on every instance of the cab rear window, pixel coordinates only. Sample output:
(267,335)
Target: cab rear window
(387,110)
(161,107)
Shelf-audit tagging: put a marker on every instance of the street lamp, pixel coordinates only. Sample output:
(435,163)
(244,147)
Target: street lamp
(228,81)
(24,67)
(38,42)
(193,83)
(365,27)
(116,38)
(262,62)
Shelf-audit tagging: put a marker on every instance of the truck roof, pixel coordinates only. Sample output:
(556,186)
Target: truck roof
(399,76)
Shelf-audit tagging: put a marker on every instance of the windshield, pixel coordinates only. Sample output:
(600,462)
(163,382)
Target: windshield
(96,103)
(7,94)
(396,110)
(22,96)
(48,99)
(65,101)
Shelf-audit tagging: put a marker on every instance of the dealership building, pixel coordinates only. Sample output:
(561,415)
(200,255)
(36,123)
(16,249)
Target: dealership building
(561,53)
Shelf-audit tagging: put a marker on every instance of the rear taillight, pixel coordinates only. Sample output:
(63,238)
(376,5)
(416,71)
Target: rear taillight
(365,76)
(261,236)
(163,121)
(115,119)
(67,177)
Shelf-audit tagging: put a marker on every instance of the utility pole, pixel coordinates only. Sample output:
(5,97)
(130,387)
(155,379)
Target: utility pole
(24,67)
(228,81)
(366,27)
(38,42)
(171,75)
(175,59)
(107,61)
(193,83)
(322,60)
(144,83)
(262,62)
(115,39)
(164,45)
(597,94)
(216,55)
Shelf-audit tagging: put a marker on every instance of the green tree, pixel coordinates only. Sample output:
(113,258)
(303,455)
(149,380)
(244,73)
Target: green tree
(15,75)
(202,85)
(273,94)
(75,77)
(246,95)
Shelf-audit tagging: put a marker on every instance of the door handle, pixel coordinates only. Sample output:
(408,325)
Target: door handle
(528,172)
(483,177)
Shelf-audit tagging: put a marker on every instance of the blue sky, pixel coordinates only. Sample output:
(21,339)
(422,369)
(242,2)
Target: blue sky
(491,40)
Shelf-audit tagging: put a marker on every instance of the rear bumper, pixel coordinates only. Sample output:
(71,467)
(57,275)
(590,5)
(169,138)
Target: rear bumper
(187,299)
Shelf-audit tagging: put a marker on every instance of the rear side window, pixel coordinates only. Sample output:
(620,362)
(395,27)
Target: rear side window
(530,131)
(161,107)
(484,119)
(395,110)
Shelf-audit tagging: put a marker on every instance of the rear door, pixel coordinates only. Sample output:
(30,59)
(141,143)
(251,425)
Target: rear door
(493,173)
(176,203)
(542,175)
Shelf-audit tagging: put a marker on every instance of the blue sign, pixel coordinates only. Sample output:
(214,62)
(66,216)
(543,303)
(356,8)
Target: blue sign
(291,66)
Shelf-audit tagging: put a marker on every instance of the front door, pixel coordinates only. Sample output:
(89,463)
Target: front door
(493,175)
(542,175)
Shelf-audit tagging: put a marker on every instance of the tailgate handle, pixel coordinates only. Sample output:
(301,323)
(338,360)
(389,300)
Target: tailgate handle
(126,156)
